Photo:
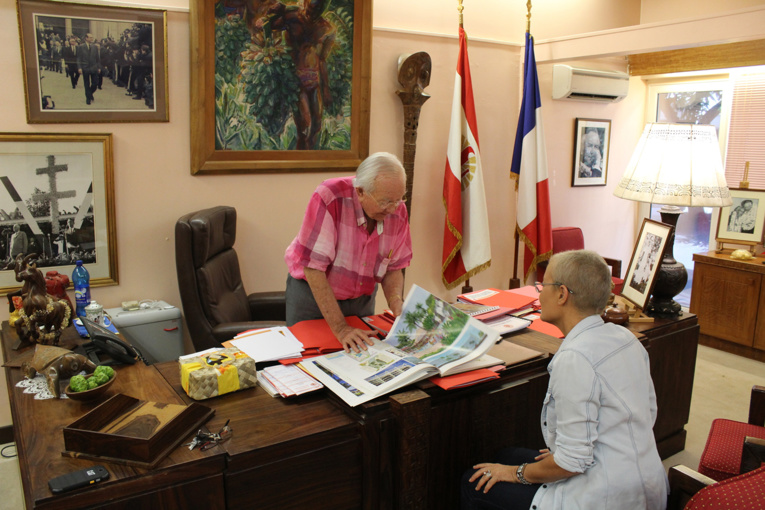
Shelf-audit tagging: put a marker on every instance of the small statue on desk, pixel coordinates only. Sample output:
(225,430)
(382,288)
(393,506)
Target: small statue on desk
(56,363)
(41,318)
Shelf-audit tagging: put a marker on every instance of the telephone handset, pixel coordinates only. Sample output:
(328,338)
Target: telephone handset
(109,343)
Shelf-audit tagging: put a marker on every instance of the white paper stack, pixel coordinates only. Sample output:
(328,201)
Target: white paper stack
(268,344)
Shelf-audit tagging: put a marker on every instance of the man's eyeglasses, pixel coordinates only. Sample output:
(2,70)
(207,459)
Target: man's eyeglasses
(386,204)
(541,286)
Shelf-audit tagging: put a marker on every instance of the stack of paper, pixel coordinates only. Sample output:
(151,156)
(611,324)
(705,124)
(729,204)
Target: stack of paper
(287,381)
(268,344)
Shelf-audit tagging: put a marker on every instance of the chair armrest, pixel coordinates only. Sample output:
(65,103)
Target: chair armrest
(268,306)
(684,482)
(228,330)
(757,406)
(753,454)
(616,267)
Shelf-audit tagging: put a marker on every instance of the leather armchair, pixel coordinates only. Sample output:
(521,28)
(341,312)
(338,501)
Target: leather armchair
(215,304)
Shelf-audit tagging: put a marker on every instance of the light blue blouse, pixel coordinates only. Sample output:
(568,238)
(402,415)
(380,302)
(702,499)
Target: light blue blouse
(597,420)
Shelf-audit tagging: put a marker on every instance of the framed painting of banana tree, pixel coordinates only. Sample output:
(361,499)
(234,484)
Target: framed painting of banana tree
(279,85)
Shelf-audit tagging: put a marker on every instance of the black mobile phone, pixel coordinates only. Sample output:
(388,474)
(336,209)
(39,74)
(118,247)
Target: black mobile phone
(77,479)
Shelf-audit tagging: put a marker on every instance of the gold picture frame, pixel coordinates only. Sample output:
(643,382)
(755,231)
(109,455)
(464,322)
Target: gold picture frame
(222,130)
(59,189)
(738,225)
(131,47)
(645,261)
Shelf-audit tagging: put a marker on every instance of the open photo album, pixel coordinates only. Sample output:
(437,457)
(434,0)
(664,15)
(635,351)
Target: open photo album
(430,337)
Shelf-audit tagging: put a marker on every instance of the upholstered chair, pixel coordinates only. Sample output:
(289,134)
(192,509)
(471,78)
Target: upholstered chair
(215,304)
(571,238)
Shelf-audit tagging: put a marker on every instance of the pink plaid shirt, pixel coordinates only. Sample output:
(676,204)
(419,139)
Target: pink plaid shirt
(334,239)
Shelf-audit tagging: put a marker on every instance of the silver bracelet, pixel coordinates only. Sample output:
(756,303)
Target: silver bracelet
(519,474)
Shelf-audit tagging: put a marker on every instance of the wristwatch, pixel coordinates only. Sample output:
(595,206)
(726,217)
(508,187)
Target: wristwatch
(519,474)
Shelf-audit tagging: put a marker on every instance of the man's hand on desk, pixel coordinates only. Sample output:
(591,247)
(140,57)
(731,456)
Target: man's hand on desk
(353,338)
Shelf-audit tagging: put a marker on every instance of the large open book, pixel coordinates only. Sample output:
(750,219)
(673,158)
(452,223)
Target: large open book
(430,337)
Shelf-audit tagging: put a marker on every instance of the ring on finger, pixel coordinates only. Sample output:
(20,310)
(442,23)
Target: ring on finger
(487,473)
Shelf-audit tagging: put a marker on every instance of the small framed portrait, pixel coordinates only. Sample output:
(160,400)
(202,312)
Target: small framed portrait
(93,63)
(592,139)
(645,261)
(57,202)
(742,222)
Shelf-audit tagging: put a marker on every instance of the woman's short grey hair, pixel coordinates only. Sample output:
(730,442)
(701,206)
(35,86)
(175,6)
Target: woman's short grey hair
(586,275)
(379,163)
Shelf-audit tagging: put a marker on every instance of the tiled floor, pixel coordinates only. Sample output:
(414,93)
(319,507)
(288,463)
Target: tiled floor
(721,389)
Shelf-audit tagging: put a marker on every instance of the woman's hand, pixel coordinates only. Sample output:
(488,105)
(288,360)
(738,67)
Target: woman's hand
(542,454)
(488,474)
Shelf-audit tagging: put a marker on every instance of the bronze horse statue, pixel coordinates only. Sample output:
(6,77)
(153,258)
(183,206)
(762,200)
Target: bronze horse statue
(42,318)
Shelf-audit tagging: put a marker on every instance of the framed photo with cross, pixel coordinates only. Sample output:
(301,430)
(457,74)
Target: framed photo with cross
(57,201)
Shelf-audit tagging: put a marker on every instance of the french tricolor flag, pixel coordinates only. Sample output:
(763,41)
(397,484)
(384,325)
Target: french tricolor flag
(467,249)
(529,168)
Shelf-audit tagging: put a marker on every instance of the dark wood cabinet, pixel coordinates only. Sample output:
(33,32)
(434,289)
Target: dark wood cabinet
(727,296)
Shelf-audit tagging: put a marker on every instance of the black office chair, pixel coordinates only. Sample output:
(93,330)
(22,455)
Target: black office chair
(215,304)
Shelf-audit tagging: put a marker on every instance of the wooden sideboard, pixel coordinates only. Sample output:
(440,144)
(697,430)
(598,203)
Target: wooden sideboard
(728,296)
(404,451)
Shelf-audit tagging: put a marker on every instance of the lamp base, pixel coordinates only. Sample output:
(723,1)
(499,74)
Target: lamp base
(671,276)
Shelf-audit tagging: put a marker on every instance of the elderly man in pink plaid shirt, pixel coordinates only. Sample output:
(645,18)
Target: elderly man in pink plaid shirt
(355,234)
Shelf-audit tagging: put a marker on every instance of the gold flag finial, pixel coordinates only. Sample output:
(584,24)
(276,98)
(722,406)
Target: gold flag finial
(528,16)
(459,9)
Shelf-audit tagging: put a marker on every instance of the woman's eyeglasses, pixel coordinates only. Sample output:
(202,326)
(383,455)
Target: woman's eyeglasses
(541,286)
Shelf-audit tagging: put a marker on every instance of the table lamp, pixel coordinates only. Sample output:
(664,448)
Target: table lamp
(676,165)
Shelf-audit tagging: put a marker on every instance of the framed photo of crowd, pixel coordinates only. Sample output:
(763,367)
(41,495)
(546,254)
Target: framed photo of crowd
(645,261)
(280,86)
(57,202)
(592,143)
(743,221)
(93,63)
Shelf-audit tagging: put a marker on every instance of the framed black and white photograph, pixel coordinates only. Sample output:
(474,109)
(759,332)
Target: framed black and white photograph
(93,63)
(743,221)
(645,261)
(592,140)
(57,201)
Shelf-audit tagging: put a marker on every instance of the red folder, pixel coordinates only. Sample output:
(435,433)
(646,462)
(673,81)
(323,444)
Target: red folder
(464,379)
(502,298)
(317,338)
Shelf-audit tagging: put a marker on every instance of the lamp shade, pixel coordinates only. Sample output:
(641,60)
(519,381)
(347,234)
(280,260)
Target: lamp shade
(676,164)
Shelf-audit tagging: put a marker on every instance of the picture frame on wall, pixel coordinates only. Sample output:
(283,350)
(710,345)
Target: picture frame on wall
(592,139)
(119,54)
(645,262)
(743,222)
(275,88)
(57,200)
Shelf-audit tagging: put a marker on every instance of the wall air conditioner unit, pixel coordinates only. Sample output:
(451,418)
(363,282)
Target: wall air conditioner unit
(589,84)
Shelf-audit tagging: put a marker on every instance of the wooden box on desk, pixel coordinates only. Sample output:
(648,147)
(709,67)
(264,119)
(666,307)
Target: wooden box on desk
(126,430)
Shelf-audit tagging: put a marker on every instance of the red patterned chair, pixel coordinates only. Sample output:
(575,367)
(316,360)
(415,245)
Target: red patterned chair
(734,455)
(571,238)
(721,458)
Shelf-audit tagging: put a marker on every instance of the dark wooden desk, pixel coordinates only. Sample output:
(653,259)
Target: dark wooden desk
(405,451)
(184,479)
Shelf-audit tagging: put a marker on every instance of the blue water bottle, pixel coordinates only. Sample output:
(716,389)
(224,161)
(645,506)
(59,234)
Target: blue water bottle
(81,281)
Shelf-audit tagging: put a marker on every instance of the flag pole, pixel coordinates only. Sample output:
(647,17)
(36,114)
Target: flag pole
(467,287)
(515,282)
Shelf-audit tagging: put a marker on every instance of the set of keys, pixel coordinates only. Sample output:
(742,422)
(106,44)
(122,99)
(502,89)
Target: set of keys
(207,440)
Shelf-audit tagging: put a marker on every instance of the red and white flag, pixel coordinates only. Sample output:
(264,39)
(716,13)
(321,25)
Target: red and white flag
(529,167)
(467,249)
